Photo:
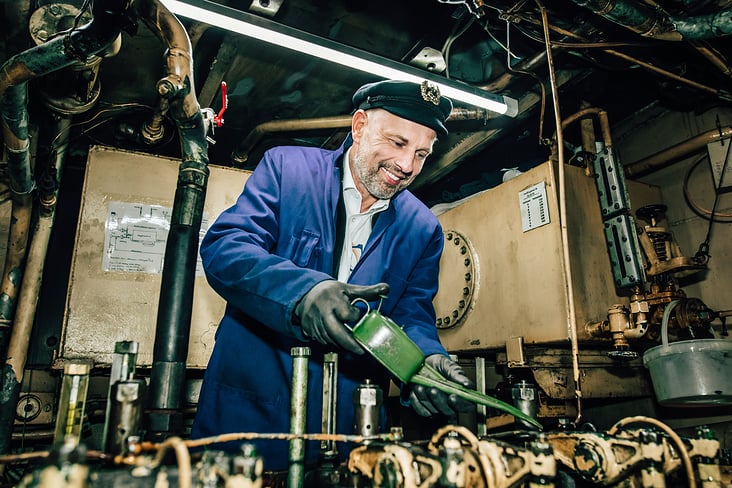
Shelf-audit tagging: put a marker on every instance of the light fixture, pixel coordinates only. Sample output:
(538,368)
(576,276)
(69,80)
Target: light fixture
(268,31)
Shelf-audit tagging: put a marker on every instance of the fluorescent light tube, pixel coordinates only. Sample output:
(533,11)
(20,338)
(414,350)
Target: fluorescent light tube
(268,31)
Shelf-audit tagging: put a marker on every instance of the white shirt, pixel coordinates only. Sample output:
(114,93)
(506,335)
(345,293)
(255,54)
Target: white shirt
(358,225)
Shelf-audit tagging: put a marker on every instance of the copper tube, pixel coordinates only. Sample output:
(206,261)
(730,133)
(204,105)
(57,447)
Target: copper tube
(675,153)
(665,73)
(241,153)
(570,304)
(713,56)
(637,61)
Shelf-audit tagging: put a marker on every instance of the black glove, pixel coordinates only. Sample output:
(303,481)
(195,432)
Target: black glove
(327,306)
(427,401)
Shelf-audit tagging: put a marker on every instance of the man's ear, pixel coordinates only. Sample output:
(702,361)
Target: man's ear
(358,123)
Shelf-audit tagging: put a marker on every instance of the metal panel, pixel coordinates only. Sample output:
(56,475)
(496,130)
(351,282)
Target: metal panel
(104,307)
(519,286)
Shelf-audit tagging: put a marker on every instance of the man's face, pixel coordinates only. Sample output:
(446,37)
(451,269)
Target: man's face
(388,153)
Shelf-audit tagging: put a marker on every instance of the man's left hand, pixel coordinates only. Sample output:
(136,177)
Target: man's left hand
(428,401)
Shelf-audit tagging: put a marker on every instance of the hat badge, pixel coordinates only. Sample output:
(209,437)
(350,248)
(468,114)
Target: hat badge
(430,93)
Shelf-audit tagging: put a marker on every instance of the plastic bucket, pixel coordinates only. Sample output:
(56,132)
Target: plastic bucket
(690,373)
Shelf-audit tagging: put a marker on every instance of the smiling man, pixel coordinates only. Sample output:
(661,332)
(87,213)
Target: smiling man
(312,231)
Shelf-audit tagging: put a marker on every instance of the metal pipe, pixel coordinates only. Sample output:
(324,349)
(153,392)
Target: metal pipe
(58,53)
(241,153)
(653,23)
(172,330)
(676,152)
(12,374)
(673,76)
(298,415)
(569,285)
(330,397)
(481,387)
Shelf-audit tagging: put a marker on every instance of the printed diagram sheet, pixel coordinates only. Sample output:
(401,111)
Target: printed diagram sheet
(135,236)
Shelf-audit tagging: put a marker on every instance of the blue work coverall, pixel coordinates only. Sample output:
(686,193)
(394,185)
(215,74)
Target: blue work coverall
(269,249)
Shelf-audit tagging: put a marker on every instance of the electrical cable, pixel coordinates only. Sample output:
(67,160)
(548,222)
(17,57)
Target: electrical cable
(683,452)
(450,40)
(182,456)
(703,251)
(539,81)
(699,210)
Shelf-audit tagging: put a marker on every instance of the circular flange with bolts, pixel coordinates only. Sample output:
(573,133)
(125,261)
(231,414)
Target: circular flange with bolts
(458,279)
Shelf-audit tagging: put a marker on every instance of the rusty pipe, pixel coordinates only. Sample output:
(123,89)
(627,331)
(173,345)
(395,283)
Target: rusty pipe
(583,114)
(241,153)
(38,61)
(676,153)
(13,369)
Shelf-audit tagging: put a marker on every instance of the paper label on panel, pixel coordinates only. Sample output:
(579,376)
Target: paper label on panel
(135,235)
(534,207)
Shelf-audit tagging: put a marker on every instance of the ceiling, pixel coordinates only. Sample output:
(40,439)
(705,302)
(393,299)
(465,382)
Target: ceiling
(621,56)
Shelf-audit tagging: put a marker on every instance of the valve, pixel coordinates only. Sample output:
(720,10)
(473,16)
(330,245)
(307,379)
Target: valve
(212,119)
(218,119)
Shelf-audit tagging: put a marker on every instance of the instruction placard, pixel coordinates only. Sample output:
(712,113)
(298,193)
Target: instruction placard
(135,235)
(534,208)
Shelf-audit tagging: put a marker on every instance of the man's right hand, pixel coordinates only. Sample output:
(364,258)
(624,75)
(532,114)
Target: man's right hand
(327,306)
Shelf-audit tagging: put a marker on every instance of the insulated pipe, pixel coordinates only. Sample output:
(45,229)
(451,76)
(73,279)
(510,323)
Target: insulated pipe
(172,330)
(12,372)
(651,22)
(89,40)
(676,153)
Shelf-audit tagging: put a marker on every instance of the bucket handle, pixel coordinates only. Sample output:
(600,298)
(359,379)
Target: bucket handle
(664,323)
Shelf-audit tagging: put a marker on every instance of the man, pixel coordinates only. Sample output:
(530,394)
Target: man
(312,231)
